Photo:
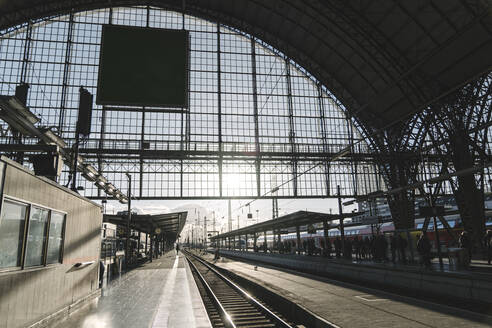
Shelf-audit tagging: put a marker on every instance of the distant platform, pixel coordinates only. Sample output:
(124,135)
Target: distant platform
(157,295)
(473,286)
(347,305)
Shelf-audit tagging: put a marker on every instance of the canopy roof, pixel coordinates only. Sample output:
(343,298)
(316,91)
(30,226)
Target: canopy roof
(299,218)
(382,59)
(169,224)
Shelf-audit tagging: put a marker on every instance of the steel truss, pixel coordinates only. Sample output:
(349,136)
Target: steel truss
(256,119)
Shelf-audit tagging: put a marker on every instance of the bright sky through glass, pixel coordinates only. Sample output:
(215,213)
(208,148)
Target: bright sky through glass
(316,121)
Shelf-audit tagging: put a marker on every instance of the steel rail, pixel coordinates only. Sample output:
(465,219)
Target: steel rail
(226,318)
(278,321)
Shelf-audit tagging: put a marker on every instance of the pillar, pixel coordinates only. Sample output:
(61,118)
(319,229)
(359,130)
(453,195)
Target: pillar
(325,235)
(265,244)
(146,237)
(151,246)
(298,233)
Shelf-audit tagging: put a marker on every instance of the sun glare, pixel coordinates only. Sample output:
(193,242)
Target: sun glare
(234,180)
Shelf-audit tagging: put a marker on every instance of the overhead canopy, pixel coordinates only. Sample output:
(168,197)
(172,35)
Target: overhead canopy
(169,224)
(382,59)
(299,218)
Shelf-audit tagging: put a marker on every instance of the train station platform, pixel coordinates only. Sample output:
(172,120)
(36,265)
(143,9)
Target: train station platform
(468,286)
(342,304)
(158,295)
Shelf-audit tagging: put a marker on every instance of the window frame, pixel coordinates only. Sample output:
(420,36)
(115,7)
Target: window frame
(62,246)
(26,235)
(27,219)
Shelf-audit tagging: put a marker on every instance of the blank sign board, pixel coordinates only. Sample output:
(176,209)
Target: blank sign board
(143,67)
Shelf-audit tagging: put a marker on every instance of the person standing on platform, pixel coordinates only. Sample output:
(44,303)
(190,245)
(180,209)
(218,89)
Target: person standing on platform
(487,242)
(464,242)
(367,247)
(378,248)
(338,246)
(177,248)
(402,247)
(347,252)
(373,248)
(328,248)
(101,273)
(393,247)
(424,248)
(357,246)
(384,248)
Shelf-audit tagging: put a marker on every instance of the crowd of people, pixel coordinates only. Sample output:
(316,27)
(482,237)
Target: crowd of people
(376,248)
(361,248)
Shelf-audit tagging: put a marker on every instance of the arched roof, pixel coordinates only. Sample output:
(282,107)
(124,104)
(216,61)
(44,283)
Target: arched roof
(382,59)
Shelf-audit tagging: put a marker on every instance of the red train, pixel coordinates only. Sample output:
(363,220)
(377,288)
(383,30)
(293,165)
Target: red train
(387,229)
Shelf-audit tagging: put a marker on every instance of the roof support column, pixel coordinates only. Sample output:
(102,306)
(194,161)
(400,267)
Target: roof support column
(399,172)
(279,239)
(151,246)
(325,237)
(292,134)
(341,227)
(298,235)
(163,245)
(265,245)
(326,164)
(27,53)
(353,163)
(255,237)
(141,160)
(66,72)
(138,242)
(146,237)
(219,111)
(255,112)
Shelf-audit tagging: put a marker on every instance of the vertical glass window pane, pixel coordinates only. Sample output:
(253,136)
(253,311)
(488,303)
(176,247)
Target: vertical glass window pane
(36,237)
(11,233)
(55,238)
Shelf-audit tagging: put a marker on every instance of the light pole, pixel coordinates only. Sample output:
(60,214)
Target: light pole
(213,222)
(127,248)
(205,232)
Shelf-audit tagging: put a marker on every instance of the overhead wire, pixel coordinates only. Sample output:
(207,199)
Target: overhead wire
(348,148)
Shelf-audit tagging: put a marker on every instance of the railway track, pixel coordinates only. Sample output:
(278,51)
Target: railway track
(227,304)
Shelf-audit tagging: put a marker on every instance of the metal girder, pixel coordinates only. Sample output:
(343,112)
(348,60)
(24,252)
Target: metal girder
(401,141)
(266,156)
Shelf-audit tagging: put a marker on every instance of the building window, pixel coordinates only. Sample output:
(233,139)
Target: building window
(55,240)
(36,236)
(30,235)
(12,223)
